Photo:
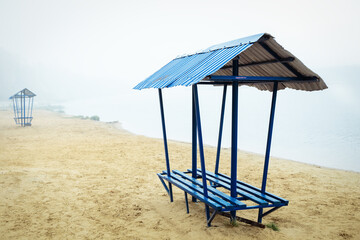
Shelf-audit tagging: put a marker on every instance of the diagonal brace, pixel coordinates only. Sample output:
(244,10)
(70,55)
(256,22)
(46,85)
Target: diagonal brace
(270,211)
(212,218)
(164,184)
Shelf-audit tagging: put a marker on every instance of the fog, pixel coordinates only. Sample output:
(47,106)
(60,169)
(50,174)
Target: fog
(65,50)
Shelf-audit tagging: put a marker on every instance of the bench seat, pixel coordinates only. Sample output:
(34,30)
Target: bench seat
(217,199)
(245,190)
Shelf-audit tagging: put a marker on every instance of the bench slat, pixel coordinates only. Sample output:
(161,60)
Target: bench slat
(193,193)
(254,192)
(211,189)
(226,185)
(256,189)
(201,190)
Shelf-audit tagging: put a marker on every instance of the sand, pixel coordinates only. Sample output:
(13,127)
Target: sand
(67,178)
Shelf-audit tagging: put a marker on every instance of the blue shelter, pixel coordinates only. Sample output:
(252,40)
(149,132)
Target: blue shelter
(23,105)
(257,61)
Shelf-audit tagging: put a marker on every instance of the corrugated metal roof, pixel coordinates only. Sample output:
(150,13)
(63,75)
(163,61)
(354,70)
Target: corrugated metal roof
(216,60)
(25,92)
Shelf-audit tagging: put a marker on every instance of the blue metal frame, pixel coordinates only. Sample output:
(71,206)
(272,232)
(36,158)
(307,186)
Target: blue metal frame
(220,130)
(23,106)
(249,192)
(234,136)
(165,141)
(32,104)
(163,183)
(199,190)
(15,114)
(197,69)
(194,138)
(252,79)
(201,149)
(24,109)
(234,123)
(268,145)
(15,111)
(186,202)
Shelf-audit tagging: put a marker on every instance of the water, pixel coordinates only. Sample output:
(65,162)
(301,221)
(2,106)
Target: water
(314,128)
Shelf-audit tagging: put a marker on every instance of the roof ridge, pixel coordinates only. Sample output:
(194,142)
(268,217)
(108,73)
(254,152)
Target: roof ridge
(233,43)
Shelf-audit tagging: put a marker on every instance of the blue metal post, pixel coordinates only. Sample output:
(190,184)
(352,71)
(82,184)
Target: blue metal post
(268,145)
(14,109)
(220,130)
(165,141)
(28,111)
(194,139)
(234,135)
(22,110)
(32,105)
(17,110)
(18,103)
(201,149)
(186,202)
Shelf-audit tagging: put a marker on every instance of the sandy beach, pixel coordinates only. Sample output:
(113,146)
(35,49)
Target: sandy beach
(68,178)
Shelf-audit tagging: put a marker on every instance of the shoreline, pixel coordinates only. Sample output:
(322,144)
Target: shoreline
(119,125)
(320,162)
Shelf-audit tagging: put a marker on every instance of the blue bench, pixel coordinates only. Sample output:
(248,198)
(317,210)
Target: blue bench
(217,199)
(245,190)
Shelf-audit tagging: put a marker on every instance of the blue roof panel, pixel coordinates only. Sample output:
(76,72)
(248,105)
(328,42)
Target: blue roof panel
(191,69)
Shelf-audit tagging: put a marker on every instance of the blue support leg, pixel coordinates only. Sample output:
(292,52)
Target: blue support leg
(24,108)
(22,111)
(186,202)
(234,146)
(14,109)
(207,211)
(165,141)
(164,184)
(171,193)
(194,138)
(234,135)
(32,105)
(260,215)
(17,110)
(268,145)
(201,149)
(220,130)
(212,218)
(28,112)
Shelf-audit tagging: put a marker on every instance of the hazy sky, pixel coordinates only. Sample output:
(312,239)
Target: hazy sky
(78,46)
